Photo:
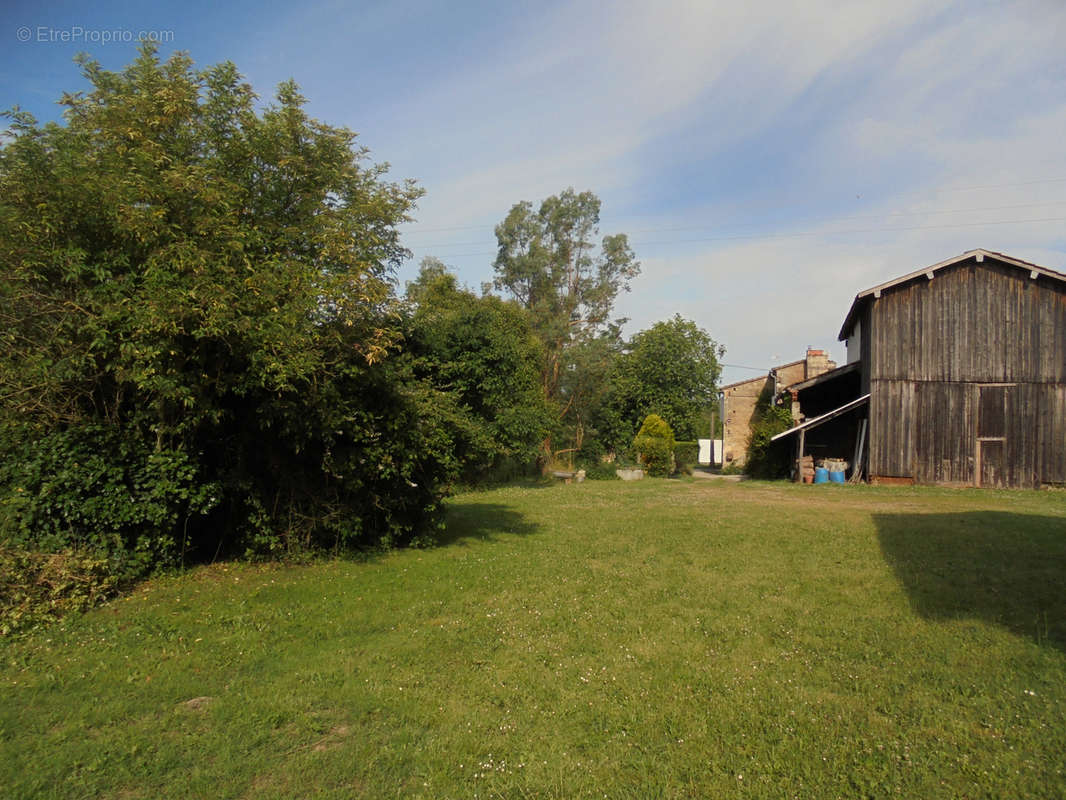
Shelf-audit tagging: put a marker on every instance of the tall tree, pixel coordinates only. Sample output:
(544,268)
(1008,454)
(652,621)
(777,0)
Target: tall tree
(670,369)
(549,261)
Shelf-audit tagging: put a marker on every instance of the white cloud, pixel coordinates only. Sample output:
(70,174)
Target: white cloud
(913,105)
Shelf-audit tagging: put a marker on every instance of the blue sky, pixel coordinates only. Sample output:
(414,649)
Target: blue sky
(768,161)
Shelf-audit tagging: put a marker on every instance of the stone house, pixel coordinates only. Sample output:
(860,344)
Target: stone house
(738,400)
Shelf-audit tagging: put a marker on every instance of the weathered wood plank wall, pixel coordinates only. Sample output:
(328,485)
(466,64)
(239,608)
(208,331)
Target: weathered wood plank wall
(934,343)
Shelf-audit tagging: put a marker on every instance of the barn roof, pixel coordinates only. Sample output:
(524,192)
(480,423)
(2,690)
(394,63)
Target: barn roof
(862,298)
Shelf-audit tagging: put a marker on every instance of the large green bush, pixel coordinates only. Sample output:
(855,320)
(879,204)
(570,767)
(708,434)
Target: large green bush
(481,351)
(654,446)
(199,340)
(98,489)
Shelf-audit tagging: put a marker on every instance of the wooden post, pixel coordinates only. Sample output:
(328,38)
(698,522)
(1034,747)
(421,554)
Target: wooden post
(856,462)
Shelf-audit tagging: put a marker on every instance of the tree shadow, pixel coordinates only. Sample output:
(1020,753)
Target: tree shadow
(999,567)
(482,521)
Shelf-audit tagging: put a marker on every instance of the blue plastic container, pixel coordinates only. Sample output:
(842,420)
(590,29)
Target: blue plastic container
(821,475)
(836,477)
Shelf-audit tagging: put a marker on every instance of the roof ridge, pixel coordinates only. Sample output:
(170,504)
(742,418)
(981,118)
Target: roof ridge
(928,271)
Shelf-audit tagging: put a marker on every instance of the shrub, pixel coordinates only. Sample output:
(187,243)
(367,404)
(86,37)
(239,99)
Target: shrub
(98,490)
(36,587)
(167,360)
(764,459)
(600,471)
(654,445)
(686,456)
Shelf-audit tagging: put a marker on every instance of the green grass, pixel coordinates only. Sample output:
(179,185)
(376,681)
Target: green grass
(651,639)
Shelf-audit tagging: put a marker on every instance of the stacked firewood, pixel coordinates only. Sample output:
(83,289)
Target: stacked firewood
(805,469)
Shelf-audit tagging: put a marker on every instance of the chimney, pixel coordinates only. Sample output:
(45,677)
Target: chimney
(817,362)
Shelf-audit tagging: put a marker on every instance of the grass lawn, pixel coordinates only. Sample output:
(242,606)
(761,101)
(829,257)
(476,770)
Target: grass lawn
(651,639)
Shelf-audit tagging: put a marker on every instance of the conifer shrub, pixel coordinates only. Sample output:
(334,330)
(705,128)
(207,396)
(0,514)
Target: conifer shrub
(654,446)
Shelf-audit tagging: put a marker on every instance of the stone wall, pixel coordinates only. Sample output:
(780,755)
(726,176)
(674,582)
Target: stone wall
(739,400)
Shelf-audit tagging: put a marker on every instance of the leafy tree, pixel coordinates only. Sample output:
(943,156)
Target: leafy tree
(189,280)
(671,369)
(584,387)
(481,351)
(548,261)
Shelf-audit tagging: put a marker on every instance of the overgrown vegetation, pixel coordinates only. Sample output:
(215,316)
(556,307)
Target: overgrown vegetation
(202,354)
(768,459)
(197,328)
(482,353)
(38,587)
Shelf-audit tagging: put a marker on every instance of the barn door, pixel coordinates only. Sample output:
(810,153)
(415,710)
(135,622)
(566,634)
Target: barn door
(992,462)
(991,451)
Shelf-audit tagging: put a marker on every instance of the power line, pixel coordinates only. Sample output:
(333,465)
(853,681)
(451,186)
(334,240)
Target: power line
(741,366)
(832,219)
(794,235)
(1001,185)
(887,214)
(856,230)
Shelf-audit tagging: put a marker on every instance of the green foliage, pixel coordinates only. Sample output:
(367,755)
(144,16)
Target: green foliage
(198,332)
(768,459)
(671,370)
(548,260)
(482,353)
(654,445)
(591,459)
(362,459)
(96,489)
(600,471)
(37,588)
(686,456)
(584,387)
(169,249)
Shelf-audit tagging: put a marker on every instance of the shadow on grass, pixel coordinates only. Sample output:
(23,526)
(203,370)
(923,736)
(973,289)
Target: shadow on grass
(482,521)
(1003,568)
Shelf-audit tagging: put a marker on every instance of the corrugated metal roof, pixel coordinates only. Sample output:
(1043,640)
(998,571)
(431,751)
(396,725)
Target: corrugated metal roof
(862,297)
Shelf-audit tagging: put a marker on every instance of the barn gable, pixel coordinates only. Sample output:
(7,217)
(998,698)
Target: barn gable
(965,364)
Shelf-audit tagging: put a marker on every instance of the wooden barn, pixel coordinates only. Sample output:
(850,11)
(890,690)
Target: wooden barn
(961,376)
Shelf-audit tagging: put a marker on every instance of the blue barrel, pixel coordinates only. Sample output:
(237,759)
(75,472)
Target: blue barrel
(836,477)
(821,475)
